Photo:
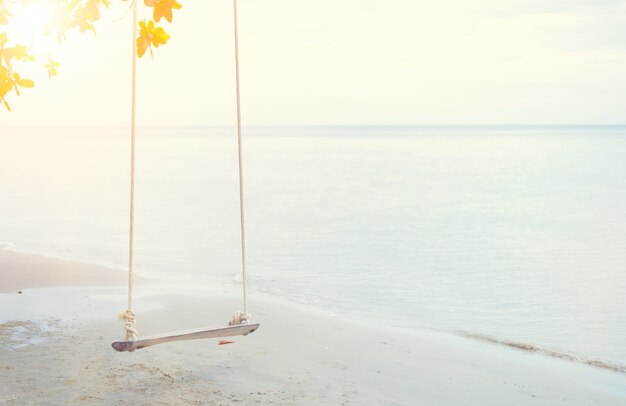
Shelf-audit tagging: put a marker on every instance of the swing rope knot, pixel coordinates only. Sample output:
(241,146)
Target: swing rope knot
(129,324)
(238,318)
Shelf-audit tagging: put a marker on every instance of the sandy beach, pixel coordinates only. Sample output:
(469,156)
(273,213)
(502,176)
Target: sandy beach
(55,349)
(398,203)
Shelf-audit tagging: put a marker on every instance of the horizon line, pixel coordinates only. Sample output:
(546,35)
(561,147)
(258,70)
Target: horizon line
(430,126)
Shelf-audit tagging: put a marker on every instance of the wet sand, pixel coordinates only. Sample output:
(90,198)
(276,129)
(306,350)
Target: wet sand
(55,349)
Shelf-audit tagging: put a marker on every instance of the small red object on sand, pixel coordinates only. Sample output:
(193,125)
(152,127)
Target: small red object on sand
(222,342)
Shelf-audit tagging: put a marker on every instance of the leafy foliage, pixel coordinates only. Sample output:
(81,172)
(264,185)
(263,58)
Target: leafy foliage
(149,36)
(163,8)
(10,80)
(70,15)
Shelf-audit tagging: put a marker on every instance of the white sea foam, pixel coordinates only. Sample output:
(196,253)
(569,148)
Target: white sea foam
(569,356)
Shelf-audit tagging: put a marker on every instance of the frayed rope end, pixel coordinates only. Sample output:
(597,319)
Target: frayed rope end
(239,318)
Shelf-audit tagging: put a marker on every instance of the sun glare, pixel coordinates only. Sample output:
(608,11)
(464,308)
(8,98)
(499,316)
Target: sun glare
(32,20)
(35,15)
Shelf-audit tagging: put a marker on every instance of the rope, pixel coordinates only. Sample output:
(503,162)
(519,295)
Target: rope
(240,161)
(238,318)
(128,316)
(129,325)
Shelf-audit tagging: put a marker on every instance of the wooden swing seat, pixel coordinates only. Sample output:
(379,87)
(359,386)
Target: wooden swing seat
(215,332)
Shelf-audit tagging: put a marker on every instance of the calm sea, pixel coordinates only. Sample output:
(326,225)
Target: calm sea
(508,233)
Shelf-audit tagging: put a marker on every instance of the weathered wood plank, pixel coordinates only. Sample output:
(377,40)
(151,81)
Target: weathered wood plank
(239,330)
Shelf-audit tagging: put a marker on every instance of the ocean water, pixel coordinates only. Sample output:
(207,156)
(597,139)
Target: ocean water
(510,234)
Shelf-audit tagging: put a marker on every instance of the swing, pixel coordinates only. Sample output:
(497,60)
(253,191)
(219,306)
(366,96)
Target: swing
(238,324)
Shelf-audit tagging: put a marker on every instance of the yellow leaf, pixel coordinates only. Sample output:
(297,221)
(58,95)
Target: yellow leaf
(21,52)
(142,45)
(150,36)
(159,37)
(52,66)
(26,83)
(163,8)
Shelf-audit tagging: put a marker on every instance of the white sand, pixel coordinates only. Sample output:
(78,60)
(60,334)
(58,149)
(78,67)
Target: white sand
(56,350)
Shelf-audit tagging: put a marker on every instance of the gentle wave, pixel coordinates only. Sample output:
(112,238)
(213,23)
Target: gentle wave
(613,366)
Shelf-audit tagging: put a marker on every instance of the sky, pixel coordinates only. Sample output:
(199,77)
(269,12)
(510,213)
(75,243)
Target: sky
(346,62)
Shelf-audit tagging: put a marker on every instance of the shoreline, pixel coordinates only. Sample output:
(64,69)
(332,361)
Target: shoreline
(64,273)
(92,275)
(66,325)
